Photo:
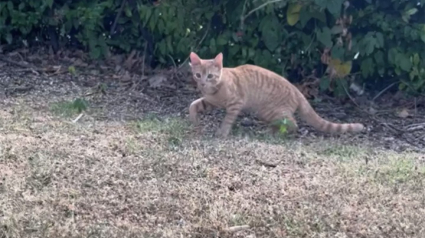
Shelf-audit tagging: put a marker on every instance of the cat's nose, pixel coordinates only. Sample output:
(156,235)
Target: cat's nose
(202,84)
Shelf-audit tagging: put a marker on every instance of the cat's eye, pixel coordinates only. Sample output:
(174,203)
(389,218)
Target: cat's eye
(198,75)
(210,76)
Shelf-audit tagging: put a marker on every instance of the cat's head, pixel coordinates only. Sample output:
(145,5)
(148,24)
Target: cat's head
(206,72)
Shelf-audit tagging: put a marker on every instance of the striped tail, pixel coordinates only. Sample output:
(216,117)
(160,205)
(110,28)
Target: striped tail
(308,114)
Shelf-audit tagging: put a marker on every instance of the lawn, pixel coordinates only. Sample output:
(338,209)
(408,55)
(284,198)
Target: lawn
(153,177)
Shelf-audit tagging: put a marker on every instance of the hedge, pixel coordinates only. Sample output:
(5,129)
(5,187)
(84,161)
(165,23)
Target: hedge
(373,41)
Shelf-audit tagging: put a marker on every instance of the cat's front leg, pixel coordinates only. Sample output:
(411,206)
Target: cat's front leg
(196,107)
(232,112)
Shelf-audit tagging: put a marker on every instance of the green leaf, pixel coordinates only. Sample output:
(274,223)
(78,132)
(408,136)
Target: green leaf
(221,40)
(412,75)
(334,7)
(319,15)
(324,36)
(305,16)
(397,71)
(128,12)
(152,23)
(337,29)
(265,59)
(321,3)
(324,84)
(270,33)
(95,52)
(422,33)
(161,26)
(258,57)
(379,40)
(49,3)
(234,50)
(404,62)
(392,56)
(244,52)
(293,14)
(337,52)
(251,53)
(368,44)
(162,46)
(170,44)
(213,46)
(183,45)
(412,11)
(10,6)
(379,58)
(367,67)
(80,105)
(416,60)
(339,91)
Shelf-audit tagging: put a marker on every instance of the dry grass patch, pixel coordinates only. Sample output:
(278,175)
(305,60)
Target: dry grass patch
(154,178)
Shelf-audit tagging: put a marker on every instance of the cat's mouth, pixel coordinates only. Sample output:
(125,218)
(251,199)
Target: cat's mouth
(211,89)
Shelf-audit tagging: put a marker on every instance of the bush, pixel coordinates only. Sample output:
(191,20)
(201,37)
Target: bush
(376,42)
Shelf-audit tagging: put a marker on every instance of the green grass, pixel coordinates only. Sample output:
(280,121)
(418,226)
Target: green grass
(169,126)
(69,108)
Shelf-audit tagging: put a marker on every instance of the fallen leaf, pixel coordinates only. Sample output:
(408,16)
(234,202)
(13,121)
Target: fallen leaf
(157,81)
(403,113)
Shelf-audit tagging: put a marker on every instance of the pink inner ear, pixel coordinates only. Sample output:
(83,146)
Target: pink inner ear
(219,59)
(194,58)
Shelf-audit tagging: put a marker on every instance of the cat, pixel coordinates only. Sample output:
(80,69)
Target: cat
(253,88)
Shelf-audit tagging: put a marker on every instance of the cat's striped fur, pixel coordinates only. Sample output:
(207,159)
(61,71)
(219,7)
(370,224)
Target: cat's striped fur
(249,87)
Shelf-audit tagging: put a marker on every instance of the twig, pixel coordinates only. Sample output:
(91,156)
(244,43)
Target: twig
(20,88)
(415,127)
(237,228)
(78,118)
(242,17)
(267,164)
(24,66)
(384,90)
(348,94)
(117,17)
(258,8)
(174,62)
(392,128)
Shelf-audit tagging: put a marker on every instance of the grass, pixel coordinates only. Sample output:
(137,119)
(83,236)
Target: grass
(155,178)
(69,108)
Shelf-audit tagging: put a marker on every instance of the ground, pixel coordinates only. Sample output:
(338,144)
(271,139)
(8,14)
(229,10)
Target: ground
(130,165)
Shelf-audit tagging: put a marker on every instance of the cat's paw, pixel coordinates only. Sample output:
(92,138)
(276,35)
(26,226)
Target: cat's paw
(220,133)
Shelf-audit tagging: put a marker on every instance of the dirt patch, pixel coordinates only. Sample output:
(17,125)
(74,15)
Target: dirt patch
(131,166)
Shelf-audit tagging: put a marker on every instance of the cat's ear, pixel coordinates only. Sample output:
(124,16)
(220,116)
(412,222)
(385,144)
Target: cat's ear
(219,59)
(194,59)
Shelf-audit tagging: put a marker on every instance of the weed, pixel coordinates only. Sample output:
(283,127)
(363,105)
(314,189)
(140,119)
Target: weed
(69,108)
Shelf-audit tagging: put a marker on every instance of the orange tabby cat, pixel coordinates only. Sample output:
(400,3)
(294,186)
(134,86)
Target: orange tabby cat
(250,87)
